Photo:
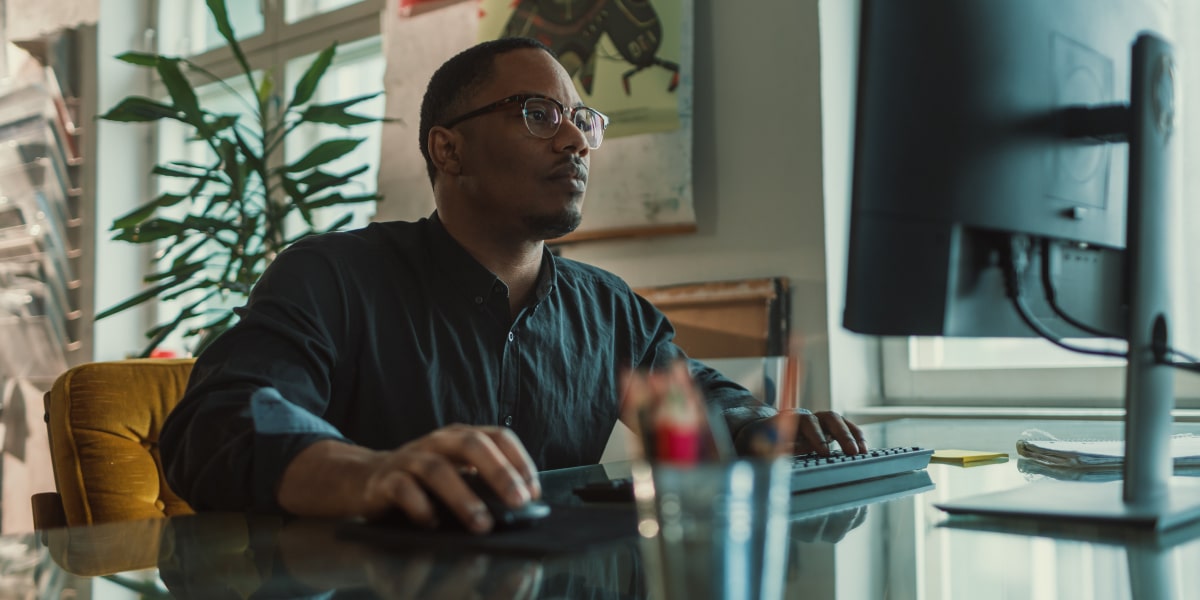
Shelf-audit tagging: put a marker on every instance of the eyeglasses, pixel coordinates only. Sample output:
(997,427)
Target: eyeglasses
(543,116)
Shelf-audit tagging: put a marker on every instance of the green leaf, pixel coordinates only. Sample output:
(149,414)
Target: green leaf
(136,109)
(207,224)
(344,104)
(293,191)
(179,272)
(159,333)
(149,231)
(183,256)
(181,92)
(335,113)
(253,159)
(207,175)
(319,180)
(221,16)
(137,299)
(336,198)
(223,320)
(265,89)
(229,162)
(140,214)
(191,165)
(342,222)
(223,122)
(324,152)
(307,86)
(199,285)
(141,59)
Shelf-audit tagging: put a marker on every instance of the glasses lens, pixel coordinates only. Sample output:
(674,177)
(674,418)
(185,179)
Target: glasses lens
(591,123)
(542,117)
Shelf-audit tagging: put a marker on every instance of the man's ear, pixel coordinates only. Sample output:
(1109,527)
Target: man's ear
(444,147)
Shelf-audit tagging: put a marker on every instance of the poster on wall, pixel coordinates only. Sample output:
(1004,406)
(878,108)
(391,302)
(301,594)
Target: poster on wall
(630,60)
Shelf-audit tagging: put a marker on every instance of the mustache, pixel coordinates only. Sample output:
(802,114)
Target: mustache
(571,167)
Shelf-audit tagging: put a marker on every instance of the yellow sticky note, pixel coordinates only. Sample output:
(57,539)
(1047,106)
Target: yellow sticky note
(964,457)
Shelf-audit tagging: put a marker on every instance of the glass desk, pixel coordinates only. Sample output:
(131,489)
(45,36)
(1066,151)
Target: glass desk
(886,540)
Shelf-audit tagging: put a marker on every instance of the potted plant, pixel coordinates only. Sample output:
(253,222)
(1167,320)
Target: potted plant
(218,233)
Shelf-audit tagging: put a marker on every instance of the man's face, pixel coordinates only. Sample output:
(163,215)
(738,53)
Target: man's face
(529,186)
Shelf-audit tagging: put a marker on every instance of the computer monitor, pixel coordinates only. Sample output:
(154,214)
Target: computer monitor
(1012,166)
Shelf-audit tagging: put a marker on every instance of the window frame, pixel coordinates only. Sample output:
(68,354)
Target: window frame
(281,41)
(1057,387)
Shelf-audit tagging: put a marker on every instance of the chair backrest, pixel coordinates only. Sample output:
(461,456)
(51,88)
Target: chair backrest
(103,420)
(726,319)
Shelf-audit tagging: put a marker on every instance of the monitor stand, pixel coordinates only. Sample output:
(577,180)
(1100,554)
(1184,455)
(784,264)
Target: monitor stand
(1149,496)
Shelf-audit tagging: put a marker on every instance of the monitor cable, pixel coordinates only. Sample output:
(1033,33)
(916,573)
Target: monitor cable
(1163,353)
(1052,298)
(1016,259)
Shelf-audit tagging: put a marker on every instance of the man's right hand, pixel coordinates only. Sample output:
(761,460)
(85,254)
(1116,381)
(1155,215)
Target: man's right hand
(332,478)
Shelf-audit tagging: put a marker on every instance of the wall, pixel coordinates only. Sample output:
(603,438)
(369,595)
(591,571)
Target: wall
(760,176)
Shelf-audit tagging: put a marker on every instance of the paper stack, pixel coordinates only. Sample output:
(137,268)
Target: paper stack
(1101,454)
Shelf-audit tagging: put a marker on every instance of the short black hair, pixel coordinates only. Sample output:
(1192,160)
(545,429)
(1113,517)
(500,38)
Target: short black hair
(457,79)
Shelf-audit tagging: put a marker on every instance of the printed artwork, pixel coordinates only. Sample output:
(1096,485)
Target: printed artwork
(631,59)
(623,54)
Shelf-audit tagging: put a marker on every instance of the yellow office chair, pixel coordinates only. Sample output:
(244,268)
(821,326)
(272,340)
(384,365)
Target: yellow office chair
(103,420)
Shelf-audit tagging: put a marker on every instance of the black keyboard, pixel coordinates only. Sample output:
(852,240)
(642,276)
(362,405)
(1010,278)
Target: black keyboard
(813,471)
(809,472)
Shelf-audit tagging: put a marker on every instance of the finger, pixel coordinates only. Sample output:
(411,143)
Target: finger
(476,446)
(512,448)
(440,477)
(811,438)
(399,490)
(859,437)
(833,425)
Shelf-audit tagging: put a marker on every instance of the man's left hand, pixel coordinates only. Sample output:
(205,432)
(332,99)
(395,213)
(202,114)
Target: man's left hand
(816,432)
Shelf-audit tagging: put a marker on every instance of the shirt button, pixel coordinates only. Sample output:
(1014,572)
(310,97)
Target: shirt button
(510,336)
(508,421)
(478,299)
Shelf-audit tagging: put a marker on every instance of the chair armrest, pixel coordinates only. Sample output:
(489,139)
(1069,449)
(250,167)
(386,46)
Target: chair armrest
(48,511)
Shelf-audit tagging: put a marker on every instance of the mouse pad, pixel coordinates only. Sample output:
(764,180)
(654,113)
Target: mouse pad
(567,529)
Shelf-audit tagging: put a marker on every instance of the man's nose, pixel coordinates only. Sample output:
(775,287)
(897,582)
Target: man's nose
(570,138)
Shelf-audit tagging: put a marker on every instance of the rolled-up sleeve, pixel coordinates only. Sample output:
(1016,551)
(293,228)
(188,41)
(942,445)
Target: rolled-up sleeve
(257,396)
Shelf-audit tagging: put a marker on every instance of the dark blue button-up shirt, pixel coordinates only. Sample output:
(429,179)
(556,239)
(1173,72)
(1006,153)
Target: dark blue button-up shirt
(381,335)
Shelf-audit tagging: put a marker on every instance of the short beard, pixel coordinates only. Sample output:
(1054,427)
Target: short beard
(549,227)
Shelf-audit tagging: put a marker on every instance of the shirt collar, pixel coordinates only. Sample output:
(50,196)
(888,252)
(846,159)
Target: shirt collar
(547,276)
(465,273)
(472,278)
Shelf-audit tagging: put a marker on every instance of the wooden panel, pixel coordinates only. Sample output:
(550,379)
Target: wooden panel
(726,319)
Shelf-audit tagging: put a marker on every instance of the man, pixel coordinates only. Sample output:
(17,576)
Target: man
(369,367)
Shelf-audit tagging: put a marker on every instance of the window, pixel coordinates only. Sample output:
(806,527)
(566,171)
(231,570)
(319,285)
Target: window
(280,37)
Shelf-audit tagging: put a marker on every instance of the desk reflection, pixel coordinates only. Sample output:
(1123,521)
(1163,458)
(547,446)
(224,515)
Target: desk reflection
(226,555)
(263,557)
(886,540)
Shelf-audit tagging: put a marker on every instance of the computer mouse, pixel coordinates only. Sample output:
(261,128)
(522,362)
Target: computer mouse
(504,517)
